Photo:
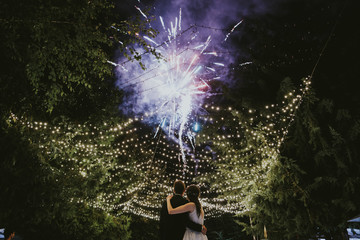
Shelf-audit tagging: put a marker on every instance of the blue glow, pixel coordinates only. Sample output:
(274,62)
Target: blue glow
(196,127)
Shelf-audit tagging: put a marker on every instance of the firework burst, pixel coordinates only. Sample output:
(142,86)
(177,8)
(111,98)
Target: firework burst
(173,88)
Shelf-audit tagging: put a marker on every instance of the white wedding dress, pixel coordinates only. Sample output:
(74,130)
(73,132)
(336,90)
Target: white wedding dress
(193,235)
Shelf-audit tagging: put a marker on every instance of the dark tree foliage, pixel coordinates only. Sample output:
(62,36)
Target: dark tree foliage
(35,200)
(54,68)
(54,55)
(144,228)
(313,189)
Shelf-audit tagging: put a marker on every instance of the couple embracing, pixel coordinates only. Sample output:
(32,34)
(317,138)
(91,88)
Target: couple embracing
(180,218)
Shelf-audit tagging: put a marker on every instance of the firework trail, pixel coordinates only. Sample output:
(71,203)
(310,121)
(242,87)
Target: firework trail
(142,13)
(245,63)
(232,30)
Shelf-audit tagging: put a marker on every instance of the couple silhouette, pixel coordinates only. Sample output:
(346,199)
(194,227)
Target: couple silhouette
(182,218)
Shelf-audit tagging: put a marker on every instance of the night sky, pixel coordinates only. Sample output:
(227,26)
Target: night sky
(282,38)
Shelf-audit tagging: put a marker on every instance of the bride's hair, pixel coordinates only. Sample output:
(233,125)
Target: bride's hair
(193,193)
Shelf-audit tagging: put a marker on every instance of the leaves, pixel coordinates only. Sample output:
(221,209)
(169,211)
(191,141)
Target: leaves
(54,68)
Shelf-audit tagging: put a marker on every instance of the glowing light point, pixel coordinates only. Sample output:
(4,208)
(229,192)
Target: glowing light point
(196,127)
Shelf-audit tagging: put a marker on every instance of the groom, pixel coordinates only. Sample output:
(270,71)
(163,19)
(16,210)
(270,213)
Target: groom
(172,227)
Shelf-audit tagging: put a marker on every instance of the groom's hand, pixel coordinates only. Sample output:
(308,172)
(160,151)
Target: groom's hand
(204,230)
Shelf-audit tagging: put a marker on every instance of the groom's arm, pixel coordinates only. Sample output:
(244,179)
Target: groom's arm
(193,226)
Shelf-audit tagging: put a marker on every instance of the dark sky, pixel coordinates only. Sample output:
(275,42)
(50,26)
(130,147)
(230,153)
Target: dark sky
(283,38)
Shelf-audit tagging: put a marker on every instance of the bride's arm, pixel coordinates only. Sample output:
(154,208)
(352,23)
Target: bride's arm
(189,207)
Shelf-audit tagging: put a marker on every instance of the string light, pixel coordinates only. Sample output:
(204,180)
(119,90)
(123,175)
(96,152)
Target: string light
(233,145)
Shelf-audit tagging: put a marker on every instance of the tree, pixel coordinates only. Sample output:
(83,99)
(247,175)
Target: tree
(37,199)
(289,189)
(55,54)
(309,187)
(55,68)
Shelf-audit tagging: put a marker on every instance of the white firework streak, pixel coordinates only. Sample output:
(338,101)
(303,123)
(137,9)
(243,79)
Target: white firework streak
(142,13)
(245,63)
(227,35)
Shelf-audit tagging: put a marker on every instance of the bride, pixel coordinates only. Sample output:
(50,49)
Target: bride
(196,213)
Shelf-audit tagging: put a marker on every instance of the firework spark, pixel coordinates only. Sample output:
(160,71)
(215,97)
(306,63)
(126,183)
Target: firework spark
(232,30)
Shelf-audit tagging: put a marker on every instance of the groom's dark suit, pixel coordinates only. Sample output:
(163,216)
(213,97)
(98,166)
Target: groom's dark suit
(172,227)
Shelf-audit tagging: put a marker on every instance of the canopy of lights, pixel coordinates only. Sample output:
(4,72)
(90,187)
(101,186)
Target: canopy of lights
(173,133)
